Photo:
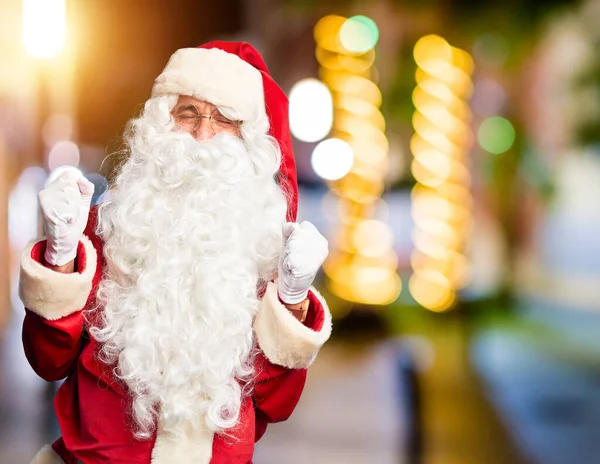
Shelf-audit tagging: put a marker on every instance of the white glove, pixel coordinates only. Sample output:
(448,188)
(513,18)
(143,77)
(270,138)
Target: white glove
(65,204)
(304,250)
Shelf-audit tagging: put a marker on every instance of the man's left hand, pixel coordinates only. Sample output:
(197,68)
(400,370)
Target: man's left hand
(304,251)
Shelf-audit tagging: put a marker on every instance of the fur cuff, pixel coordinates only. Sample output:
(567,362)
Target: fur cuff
(283,339)
(51,294)
(47,456)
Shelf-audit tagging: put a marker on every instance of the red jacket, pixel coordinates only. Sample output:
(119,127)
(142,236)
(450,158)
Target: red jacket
(91,405)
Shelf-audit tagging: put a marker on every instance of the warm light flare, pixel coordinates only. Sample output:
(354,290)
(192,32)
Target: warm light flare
(44,27)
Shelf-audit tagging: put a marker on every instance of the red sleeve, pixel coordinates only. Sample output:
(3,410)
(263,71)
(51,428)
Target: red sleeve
(276,393)
(52,347)
(278,389)
(52,334)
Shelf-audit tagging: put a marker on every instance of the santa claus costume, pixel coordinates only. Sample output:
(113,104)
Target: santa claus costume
(174,333)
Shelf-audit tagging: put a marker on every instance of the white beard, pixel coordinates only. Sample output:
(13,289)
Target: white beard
(191,231)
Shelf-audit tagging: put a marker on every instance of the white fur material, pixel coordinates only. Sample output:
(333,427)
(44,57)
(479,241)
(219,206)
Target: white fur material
(47,456)
(221,78)
(284,340)
(192,447)
(192,228)
(52,294)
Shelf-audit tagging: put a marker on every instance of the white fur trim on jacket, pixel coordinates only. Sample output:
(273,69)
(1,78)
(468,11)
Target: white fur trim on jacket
(47,456)
(52,294)
(283,339)
(189,446)
(221,78)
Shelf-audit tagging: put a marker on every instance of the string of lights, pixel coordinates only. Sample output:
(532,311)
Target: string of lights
(362,266)
(441,200)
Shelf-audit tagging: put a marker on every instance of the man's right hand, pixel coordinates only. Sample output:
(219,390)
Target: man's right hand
(65,206)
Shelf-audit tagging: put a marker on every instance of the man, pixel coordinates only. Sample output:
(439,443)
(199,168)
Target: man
(180,310)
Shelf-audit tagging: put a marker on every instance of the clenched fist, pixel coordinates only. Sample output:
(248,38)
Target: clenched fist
(303,253)
(65,206)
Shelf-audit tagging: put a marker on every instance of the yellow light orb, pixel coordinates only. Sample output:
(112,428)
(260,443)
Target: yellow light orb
(328,27)
(437,162)
(372,238)
(432,290)
(376,287)
(357,64)
(430,51)
(462,60)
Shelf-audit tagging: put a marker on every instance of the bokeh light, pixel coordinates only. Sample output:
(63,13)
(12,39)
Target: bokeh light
(64,153)
(489,97)
(326,34)
(493,50)
(44,27)
(311,110)
(432,53)
(432,290)
(362,264)
(372,238)
(332,159)
(359,34)
(441,200)
(496,135)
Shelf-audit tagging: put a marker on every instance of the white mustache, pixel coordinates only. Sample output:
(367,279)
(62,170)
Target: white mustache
(179,159)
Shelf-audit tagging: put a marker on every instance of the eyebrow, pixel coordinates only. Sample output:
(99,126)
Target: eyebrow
(189,107)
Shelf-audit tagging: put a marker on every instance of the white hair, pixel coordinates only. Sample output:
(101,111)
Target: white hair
(192,235)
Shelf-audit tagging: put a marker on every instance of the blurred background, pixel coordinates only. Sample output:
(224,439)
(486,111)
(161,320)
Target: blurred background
(449,150)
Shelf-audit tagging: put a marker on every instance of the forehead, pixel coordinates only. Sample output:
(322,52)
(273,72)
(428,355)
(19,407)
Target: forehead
(200,104)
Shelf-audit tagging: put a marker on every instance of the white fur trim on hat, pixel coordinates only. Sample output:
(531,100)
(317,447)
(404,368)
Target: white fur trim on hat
(52,294)
(220,78)
(283,339)
(47,456)
(187,446)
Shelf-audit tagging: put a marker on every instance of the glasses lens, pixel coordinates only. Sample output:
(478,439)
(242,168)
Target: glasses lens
(222,122)
(186,119)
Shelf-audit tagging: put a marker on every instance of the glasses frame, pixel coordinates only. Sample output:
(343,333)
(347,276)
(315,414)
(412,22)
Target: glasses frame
(184,123)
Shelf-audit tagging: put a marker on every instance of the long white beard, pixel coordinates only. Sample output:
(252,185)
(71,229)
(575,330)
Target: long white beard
(190,233)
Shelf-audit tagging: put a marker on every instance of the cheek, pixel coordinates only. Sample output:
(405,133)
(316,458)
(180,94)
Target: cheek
(182,128)
(233,131)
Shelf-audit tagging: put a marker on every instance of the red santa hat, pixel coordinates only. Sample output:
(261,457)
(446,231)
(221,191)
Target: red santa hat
(234,74)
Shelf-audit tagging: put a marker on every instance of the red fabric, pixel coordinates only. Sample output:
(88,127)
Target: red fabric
(91,405)
(277,107)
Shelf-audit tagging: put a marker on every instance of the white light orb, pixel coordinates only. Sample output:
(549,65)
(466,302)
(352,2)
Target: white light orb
(332,159)
(44,27)
(311,110)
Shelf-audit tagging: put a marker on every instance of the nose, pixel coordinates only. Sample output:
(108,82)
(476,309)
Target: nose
(203,130)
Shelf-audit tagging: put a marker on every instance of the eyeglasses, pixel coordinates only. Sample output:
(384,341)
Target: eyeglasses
(188,118)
